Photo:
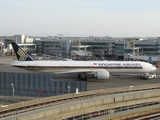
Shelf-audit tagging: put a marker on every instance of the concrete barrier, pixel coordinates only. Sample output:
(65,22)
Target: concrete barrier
(92,104)
(95,104)
(110,90)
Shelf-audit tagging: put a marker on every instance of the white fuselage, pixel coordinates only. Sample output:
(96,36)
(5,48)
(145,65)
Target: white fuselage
(110,66)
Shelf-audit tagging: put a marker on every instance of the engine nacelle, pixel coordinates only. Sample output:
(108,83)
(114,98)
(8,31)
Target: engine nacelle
(103,75)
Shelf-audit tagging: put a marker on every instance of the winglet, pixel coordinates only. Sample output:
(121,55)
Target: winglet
(20,54)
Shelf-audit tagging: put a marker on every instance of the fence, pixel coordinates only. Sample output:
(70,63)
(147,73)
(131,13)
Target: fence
(31,84)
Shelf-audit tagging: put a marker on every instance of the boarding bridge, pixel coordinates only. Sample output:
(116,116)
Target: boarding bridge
(141,57)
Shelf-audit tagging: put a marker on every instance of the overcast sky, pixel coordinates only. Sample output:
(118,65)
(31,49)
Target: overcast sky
(80,18)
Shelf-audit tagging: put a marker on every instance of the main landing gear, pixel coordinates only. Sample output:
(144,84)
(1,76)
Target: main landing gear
(82,77)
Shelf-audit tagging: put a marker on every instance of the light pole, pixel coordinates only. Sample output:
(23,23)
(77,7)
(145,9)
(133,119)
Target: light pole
(12,88)
(68,89)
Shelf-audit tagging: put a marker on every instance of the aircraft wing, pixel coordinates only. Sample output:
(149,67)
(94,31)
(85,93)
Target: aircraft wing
(98,73)
(68,59)
(87,71)
(19,65)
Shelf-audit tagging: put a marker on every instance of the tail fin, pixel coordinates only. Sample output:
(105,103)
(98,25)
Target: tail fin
(20,54)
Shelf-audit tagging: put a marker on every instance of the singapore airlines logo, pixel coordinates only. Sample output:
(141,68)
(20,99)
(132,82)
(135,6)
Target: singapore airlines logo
(22,55)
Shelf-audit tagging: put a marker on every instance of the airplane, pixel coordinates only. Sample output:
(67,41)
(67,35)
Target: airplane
(1,43)
(99,69)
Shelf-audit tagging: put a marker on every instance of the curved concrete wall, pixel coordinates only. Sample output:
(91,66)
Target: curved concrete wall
(97,103)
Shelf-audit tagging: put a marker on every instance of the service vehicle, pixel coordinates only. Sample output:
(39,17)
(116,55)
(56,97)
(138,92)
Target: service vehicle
(148,76)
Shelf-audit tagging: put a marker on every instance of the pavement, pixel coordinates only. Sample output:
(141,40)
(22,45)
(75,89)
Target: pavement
(7,60)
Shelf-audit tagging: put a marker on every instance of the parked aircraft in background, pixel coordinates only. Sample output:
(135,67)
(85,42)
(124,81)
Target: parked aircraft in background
(1,43)
(99,69)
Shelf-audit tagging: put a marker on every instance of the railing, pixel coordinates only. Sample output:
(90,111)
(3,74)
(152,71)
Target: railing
(68,98)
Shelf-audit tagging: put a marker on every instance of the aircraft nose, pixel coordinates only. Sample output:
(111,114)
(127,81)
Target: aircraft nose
(154,68)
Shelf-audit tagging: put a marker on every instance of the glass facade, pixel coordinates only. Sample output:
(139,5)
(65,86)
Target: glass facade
(52,45)
(29,48)
(114,48)
(98,46)
(119,49)
(148,48)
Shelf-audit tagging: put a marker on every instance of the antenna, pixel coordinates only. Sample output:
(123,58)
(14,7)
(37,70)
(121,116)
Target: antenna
(60,36)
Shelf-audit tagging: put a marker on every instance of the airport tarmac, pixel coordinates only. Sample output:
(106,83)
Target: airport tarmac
(116,80)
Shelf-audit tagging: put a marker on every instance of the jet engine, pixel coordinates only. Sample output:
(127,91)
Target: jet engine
(103,75)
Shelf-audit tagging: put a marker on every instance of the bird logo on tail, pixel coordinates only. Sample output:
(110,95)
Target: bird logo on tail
(20,54)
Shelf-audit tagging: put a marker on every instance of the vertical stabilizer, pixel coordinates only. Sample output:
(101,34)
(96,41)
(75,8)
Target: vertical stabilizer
(20,54)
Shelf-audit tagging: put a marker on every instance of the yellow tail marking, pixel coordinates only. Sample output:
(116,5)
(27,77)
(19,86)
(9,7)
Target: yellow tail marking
(22,55)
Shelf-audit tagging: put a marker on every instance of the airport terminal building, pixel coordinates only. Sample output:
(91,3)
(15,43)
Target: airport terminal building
(101,48)
(90,47)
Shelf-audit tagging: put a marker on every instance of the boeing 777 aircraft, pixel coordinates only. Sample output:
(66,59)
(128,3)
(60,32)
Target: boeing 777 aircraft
(99,69)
